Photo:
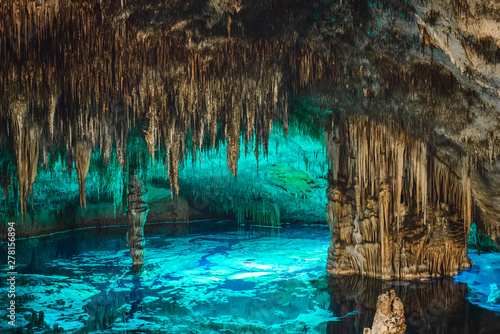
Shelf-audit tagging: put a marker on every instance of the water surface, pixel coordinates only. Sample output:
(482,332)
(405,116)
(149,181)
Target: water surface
(217,277)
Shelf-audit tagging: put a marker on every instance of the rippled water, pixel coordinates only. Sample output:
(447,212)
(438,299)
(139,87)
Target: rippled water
(217,277)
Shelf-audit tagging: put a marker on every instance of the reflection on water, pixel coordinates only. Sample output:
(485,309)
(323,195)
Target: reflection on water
(215,277)
(436,306)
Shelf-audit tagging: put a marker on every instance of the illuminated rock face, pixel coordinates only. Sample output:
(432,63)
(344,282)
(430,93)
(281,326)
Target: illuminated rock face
(26,148)
(395,209)
(82,162)
(468,31)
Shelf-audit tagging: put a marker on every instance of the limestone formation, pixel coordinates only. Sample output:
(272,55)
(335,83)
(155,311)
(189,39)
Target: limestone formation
(390,316)
(136,214)
(26,147)
(82,153)
(395,209)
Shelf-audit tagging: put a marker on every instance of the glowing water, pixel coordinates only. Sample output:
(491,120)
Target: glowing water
(224,278)
(483,280)
(213,277)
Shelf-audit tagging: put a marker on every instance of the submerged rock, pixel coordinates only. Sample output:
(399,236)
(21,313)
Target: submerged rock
(494,296)
(390,317)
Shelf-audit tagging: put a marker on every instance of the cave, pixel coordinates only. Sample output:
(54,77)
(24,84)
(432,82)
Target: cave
(250,166)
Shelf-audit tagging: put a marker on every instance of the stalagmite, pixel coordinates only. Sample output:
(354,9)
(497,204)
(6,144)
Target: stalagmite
(136,214)
(82,153)
(390,315)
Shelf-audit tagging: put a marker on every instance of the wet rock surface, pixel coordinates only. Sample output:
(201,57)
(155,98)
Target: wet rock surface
(389,317)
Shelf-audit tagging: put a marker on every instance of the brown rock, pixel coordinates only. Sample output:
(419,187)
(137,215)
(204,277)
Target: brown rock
(390,317)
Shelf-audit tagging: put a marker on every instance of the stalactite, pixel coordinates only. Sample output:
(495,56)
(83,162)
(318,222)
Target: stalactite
(106,142)
(399,175)
(423,179)
(233,139)
(82,151)
(52,110)
(172,143)
(26,147)
(152,132)
(374,239)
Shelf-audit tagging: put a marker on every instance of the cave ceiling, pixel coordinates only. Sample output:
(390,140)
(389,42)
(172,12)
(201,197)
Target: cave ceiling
(80,75)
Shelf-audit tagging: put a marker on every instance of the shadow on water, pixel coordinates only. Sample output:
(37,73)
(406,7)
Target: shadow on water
(435,306)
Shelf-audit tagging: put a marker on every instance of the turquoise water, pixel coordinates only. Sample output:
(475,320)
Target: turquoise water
(217,277)
(483,280)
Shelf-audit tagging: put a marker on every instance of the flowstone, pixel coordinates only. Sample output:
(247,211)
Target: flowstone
(395,209)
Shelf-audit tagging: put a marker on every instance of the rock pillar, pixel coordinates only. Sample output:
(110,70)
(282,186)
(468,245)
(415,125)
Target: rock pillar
(136,214)
(390,315)
(394,208)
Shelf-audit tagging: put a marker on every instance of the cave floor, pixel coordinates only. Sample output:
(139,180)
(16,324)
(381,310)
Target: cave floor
(217,277)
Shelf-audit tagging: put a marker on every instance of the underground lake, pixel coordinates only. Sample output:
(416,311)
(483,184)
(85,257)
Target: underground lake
(250,166)
(221,277)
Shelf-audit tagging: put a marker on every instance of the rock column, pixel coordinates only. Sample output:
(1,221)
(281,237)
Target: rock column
(136,214)
(395,208)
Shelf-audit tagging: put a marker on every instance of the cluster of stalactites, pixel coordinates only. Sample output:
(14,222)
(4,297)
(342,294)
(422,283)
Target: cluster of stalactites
(27,19)
(26,147)
(260,211)
(222,87)
(395,207)
(372,158)
(197,102)
(245,104)
(93,65)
